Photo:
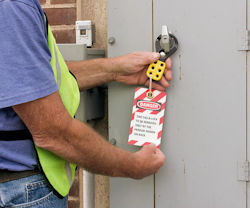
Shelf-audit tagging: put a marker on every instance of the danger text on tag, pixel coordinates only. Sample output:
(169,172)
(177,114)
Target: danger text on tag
(148,105)
(147,118)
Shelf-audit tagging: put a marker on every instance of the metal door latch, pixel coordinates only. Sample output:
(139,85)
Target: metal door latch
(166,44)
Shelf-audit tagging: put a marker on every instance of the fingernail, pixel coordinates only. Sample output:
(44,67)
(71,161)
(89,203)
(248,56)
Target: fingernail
(156,55)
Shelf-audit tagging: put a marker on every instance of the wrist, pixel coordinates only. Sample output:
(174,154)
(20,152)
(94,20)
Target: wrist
(134,164)
(128,166)
(114,67)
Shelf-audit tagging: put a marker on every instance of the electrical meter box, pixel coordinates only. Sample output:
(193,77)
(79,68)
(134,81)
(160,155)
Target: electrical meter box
(206,127)
(85,33)
(92,100)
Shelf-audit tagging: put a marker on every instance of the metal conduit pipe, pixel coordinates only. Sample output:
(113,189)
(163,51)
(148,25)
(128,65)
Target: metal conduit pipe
(88,190)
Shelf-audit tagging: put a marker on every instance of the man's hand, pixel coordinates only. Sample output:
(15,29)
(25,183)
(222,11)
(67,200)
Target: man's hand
(132,69)
(128,69)
(147,161)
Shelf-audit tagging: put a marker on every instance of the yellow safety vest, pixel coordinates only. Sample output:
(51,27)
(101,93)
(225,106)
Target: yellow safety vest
(60,173)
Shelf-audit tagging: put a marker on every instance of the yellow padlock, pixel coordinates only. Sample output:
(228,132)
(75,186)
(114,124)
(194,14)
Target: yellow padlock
(156,70)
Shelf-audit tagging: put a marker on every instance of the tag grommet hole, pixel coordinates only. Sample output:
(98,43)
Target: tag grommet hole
(153,67)
(150,95)
(155,62)
(159,70)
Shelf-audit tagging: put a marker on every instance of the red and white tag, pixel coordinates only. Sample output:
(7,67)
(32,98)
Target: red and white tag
(147,117)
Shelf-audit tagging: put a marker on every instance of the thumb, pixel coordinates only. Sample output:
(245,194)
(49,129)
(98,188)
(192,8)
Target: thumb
(155,56)
(150,57)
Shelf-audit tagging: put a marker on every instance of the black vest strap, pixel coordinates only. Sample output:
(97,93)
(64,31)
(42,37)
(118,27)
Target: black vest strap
(47,22)
(15,135)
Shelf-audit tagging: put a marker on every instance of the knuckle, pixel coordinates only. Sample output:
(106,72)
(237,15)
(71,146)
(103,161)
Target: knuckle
(162,162)
(149,59)
(164,158)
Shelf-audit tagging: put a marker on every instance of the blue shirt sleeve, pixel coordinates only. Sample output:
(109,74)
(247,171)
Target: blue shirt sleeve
(25,70)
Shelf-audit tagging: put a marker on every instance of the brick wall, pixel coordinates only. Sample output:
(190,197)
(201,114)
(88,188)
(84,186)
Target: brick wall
(75,193)
(62,15)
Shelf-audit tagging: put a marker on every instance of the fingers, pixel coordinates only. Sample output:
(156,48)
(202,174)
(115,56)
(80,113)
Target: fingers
(160,155)
(160,160)
(164,82)
(168,64)
(168,72)
(152,149)
(152,57)
(147,57)
(168,75)
(149,148)
(156,155)
(156,56)
(148,161)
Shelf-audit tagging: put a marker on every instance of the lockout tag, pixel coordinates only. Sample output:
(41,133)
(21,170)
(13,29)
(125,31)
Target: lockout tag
(147,117)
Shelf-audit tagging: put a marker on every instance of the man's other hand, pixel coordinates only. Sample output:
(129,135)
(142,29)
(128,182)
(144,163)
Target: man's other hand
(147,161)
(133,67)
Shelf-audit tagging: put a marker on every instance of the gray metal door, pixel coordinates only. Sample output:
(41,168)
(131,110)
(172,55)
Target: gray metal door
(248,95)
(130,23)
(205,133)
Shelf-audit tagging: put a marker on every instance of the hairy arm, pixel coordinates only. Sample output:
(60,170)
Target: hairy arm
(128,69)
(53,129)
(92,73)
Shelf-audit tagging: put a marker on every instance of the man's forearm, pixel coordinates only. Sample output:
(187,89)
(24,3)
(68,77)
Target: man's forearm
(82,145)
(92,73)
(56,131)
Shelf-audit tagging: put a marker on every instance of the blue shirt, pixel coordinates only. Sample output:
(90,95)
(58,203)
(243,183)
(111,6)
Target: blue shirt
(25,74)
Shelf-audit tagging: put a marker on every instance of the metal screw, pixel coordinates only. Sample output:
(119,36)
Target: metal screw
(111,40)
(113,141)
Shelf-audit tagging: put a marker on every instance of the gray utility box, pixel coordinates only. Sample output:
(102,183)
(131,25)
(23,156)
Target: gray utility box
(92,104)
(205,136)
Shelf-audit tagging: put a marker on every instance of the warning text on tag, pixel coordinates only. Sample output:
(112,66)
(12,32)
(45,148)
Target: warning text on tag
(148,105)
(145,127)
(147,118)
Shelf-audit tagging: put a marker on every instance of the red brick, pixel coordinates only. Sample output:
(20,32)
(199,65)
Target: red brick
(64,36)
(74,191)
(62,1)
(61,16)
(73,203)
(42,2)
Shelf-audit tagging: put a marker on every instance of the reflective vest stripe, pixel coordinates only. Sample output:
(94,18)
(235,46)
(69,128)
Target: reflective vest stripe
(69,172)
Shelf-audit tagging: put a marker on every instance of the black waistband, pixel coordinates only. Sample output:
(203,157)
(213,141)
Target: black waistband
(15,135)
